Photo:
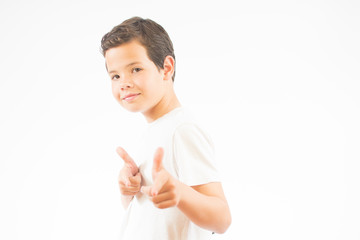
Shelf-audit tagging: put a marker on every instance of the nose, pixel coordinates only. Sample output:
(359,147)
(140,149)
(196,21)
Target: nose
(126,84)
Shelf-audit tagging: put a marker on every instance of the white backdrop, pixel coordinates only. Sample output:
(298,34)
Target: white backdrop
(276,83)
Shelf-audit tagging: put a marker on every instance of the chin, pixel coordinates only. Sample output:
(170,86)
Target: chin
(130,108)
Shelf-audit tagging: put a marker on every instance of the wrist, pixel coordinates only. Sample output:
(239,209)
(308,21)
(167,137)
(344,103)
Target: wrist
(125,200)
(127,197)
(181,192)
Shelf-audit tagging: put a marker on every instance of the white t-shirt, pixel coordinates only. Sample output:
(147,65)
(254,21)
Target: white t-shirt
(189,157)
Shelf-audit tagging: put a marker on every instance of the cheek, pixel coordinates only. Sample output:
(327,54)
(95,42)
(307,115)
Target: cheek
(151,83)
(115,92)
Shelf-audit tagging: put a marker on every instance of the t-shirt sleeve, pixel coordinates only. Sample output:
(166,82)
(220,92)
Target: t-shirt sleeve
(194,156)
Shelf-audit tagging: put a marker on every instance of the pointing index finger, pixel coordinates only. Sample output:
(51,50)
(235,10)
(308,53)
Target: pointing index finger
(127,159)
(158,157)
(159,182)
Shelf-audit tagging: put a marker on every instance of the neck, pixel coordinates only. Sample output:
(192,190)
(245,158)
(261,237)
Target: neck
(168,103)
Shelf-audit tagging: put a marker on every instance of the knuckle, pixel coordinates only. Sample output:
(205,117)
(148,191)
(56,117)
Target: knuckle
(160,206)
(172,194)
(155,200)
(171,185)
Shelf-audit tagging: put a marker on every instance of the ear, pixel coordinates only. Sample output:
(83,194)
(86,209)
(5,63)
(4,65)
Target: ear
(169,67)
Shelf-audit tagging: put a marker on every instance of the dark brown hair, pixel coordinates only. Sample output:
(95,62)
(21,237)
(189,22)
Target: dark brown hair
(150,34)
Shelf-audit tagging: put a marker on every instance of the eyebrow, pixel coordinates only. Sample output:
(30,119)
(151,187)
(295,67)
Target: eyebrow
(128,65)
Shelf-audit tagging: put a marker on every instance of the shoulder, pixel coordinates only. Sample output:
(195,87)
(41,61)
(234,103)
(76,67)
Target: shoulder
(190,131)
(194,154)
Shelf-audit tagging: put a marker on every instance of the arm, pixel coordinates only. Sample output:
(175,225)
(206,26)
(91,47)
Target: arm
(205,205)
(125,200)
(129,178)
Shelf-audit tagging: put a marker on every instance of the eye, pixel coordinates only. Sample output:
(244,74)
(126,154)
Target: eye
(135,70)
(115,77)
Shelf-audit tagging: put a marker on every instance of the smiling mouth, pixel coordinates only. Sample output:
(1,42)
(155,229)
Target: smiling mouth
(130,97)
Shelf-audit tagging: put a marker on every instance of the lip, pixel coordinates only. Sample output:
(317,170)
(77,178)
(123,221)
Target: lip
(130,97)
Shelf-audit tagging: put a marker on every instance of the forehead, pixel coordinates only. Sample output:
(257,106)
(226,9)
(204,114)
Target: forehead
(121,56)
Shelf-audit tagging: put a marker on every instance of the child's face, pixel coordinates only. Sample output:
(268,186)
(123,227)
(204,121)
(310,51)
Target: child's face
(137,84)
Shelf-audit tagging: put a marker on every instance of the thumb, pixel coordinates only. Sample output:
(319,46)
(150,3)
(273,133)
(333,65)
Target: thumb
(146,190)
(157,166)
(127,160)
(135,180)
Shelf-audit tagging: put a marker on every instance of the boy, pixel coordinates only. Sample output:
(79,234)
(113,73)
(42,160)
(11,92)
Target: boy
(177,193)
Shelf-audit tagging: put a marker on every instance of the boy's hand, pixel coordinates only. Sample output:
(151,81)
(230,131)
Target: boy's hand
(129,177)
(165,191)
